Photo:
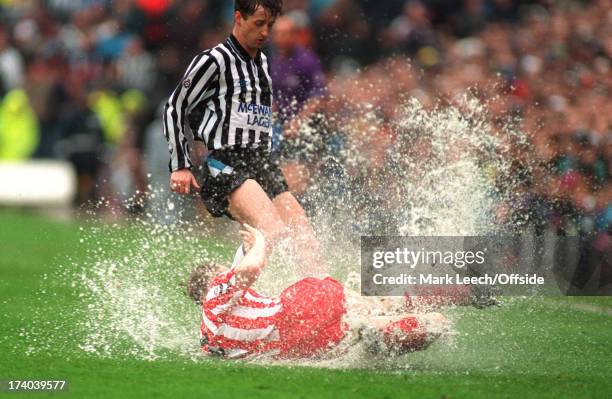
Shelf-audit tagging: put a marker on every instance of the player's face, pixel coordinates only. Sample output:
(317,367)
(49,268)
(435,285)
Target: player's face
(255,28)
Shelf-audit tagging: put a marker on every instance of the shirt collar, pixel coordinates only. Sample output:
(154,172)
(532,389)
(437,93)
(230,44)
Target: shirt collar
(243,53)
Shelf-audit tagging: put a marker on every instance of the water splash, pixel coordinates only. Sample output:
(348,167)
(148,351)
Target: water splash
(447,172)
(453,190)
(131,282)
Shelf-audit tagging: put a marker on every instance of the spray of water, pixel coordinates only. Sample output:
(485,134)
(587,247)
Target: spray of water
(133,288)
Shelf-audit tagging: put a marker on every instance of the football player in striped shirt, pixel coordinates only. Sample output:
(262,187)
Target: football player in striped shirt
(225,100)
(306,320)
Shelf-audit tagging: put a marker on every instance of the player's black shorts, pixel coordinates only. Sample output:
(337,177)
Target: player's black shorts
(227,169)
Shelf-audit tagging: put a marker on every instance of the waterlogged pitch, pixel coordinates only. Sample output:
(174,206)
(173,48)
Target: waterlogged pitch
(112,332)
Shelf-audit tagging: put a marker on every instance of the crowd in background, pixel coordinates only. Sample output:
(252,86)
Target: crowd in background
(84,80)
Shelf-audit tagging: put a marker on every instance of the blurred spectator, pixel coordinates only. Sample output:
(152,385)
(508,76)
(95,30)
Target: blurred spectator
(342,31)
(136,67)
(19,133)
(472,19)
(411,31)
(81,142)
(11,65)
(296,71)
(299,85)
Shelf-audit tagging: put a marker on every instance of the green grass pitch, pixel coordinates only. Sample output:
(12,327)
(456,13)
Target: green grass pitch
(539,347)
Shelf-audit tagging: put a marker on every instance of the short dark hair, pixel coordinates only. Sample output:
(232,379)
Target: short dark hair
(197,283)
(248,7)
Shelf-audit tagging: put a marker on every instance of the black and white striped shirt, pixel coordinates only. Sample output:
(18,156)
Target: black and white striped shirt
(225,98)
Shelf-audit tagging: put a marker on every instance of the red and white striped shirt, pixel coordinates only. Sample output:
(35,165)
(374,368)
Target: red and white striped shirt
(238,323)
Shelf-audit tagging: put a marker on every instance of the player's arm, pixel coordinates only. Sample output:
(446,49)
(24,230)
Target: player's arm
(251,265)
(201,74)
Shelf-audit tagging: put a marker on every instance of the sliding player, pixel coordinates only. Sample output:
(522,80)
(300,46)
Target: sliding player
(306,320)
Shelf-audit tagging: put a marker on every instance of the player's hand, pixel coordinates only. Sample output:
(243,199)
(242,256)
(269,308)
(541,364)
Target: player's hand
(251,237)
(182,180)
(252,263)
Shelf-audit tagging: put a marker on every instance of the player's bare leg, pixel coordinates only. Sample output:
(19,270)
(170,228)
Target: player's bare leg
(307,245)
(250,204)
(278,219)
